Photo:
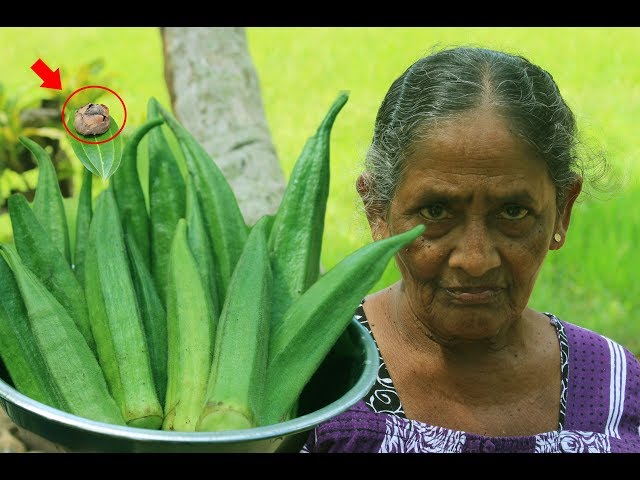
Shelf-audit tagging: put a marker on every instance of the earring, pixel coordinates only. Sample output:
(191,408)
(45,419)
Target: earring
(557,237)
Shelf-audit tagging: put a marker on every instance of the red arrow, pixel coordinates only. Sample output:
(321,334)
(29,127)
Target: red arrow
(50,78)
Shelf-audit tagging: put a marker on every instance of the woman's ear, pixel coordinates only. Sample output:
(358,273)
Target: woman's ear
(362,186)
(564,215)
(376,222)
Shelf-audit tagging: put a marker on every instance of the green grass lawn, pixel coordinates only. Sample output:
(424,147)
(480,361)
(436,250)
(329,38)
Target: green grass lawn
(301,70)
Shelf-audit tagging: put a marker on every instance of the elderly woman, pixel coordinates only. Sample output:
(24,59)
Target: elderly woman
(480,147)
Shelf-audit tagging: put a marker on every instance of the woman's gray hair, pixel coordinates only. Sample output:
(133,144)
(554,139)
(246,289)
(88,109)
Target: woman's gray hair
(452,81)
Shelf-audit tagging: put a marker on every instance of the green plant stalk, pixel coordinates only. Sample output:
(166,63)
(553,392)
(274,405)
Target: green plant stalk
(47,202)
(225,224)
(18,347)
(115,318)
(128,190)
(46,261)
(295,242)
(152,312)
(238,372)
(191,326)
(318,317)
(71,364)
(167,200)
(83,220)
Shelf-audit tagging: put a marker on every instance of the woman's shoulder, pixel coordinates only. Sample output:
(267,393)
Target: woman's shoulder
(590,347)
(603,393)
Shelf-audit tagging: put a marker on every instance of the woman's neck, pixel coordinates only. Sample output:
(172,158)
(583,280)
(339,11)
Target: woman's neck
(474,380)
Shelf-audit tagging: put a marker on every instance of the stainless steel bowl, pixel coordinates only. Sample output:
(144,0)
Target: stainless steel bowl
(344,377)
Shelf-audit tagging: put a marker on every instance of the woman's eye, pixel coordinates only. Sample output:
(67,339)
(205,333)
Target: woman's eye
(434,212)
(514,212)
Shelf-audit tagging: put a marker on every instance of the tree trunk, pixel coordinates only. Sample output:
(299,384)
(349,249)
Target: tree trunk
(215,94)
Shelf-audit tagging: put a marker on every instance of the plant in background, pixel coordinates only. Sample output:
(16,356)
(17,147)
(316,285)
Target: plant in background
(36,114)
(18,171)
(90,73)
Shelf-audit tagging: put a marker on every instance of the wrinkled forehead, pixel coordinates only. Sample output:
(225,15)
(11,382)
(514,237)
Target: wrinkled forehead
(479,150)
(479,139)
(468,129)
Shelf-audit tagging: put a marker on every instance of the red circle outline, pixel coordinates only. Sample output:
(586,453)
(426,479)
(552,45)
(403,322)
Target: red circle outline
(64,123)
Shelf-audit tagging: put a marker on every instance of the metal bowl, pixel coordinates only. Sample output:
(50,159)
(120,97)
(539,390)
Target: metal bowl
(343,378)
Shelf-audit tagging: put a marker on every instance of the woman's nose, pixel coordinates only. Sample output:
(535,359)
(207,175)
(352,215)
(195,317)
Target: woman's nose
(474,250)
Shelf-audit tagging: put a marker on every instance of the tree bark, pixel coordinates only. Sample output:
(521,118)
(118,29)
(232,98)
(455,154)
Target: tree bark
(215,94)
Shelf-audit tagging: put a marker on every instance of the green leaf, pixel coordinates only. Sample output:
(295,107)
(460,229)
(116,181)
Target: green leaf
(101,159)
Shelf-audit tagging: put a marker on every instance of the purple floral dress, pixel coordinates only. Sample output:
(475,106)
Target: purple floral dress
(599,409)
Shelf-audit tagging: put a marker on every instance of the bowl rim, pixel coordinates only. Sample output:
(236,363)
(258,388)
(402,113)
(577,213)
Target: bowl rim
(281,429)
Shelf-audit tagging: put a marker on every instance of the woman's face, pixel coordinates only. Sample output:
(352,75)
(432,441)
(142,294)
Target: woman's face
(489,207)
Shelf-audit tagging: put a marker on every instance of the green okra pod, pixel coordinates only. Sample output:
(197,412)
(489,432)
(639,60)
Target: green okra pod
(128,189)
(70,363)
(295,242)
(201,245)
(46,261)
(115,318)
(18,347)
(167,199)
(83,220)
(152,311)
(238,373)
(318,318)
(223,218)
(191,327)
(48,204)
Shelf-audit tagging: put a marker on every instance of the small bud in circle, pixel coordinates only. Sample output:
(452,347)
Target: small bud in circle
(92,119)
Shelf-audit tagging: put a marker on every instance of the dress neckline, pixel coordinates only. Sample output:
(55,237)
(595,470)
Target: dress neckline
(383,397)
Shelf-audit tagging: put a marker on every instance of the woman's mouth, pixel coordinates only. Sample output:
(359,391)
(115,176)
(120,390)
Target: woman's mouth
(473,295)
